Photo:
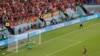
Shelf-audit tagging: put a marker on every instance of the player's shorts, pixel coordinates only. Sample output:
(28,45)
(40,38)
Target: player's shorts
(81,25)
(84,52)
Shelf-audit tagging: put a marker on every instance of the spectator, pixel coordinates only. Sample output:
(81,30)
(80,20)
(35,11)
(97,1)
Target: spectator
(53,22)
(19,31)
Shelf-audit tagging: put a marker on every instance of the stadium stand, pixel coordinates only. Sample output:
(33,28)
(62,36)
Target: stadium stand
(19,16)
(17,12)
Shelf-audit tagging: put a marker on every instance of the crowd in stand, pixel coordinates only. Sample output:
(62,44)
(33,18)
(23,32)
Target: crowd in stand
(91,2)
(17,10)
(14,11)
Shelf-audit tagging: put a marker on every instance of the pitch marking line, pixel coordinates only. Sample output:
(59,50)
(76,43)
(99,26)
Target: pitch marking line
(56,38)
(68,40)
(93,31)
(63,49)
(70,33)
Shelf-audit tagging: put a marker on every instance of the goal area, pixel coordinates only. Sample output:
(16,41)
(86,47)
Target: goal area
(16,45)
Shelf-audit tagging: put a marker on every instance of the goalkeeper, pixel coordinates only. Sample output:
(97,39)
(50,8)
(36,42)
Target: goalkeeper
(28,46)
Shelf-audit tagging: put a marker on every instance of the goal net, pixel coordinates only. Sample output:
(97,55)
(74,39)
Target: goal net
(37,38)
(18,44)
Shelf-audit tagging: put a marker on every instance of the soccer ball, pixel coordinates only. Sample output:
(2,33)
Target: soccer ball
(34,42)
(3,53)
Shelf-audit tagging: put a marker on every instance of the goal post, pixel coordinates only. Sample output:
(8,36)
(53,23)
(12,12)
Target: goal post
(13,46)
(16,44)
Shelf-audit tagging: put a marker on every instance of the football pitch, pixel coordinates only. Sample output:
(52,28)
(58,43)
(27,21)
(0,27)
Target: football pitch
(66,41)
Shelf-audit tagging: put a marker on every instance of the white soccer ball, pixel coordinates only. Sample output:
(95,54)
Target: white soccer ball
(3,53)
(34,42)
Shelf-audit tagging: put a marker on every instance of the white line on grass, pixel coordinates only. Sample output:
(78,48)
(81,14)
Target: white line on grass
(63,49)
(57,37)
(70,33)
(93,31)
(68,40)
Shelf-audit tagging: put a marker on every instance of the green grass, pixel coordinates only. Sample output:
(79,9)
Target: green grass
(66,41)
